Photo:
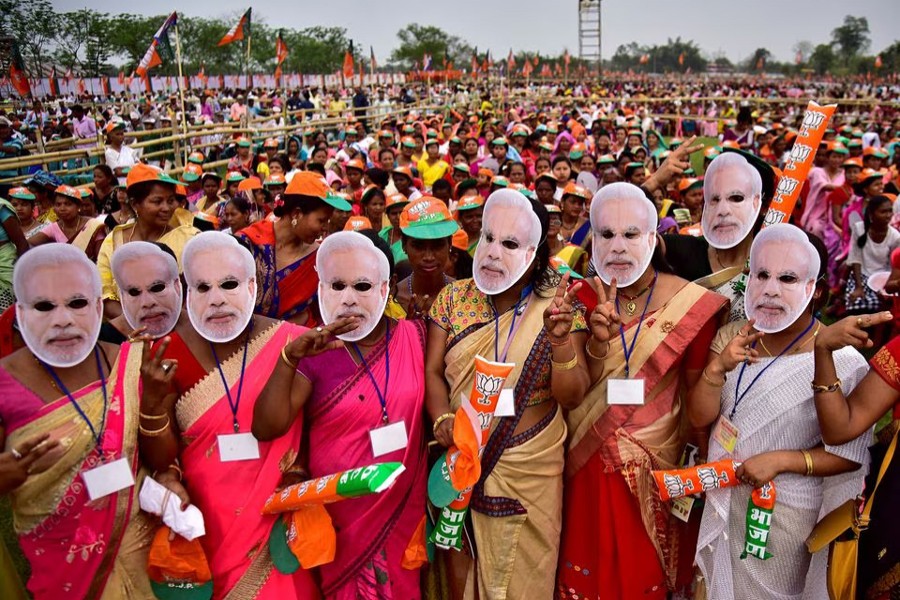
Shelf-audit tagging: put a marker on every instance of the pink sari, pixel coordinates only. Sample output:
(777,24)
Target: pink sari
(231,495)
(372,531)
(77,548)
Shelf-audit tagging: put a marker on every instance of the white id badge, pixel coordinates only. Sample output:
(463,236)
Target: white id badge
(506,405)
(625,391)
(388,438)
(238,446)
(108,479)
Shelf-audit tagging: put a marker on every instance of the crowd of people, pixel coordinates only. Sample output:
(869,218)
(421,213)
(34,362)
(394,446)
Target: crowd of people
(179,348)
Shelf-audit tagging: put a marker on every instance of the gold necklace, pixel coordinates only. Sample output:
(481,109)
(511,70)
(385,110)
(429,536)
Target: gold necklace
(797,348)
(631,305)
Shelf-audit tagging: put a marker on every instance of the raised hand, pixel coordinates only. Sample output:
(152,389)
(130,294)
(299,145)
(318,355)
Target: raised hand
(417,307)
(17,464)
(850,331)
(740,349)
(605,320)
(558,316)
(156,374)
(320,339)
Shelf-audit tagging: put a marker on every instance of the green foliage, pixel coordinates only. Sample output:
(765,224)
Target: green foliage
(851,38)
(661,58)
(417,40)
(823,59)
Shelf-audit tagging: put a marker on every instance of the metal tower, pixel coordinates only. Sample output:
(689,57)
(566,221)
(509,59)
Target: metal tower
(589,36)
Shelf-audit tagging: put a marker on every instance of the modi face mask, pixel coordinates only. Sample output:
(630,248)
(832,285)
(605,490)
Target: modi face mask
(624,222)
(783,270)
(732,198)
(510,235)
(149,287)
(59,310)
(349,286)
(221,295)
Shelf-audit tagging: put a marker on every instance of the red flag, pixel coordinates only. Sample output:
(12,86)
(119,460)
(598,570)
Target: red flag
(151,59)
(348,63)
(545,70)
(82,89)
(681,59)
(373,64)
(475,63)
(537,60)
(121,77)
(19,80)
(511,61)
(69,74)
(281,50)
(104,85)
(237,31)
(128,80)
(878,62)
(277,74)
(53,83)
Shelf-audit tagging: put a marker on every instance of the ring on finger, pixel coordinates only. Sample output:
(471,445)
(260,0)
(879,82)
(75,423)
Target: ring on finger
(16,454)
(859,321)
(319,329)
(166,367)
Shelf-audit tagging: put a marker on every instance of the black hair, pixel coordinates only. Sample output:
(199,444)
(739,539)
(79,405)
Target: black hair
(106,170)
(464,262)
(305,204)
(381,245)
(282,160)
(316,167)
(378,176)
(242,203)
(441,184)
(539,276)
(874,204)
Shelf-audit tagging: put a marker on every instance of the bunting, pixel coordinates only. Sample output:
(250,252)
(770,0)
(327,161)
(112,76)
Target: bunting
(238,31)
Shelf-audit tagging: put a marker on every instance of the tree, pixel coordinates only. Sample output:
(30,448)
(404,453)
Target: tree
(83,41)
(890,58)
(803,49)
(33,24)
(823,59)
(417,40)
(852,37)
(758,61)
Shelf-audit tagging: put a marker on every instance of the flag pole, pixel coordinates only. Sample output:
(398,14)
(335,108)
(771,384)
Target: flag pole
(181,90)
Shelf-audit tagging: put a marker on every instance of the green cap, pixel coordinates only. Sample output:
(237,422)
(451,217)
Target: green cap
(427,218)
(337,202)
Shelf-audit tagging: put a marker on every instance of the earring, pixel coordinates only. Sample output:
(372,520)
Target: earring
(294,222)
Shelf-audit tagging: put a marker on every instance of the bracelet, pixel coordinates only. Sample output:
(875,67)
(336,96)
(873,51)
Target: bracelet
(155,432)
(809,462)
(285,358)
(587,350)
(557,344)
(441,419)
(826,389)
(711,382)
(153,417)
(297,470)
(178,470)
(565,366)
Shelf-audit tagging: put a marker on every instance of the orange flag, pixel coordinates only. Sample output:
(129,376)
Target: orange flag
(681,59)
(238,30)
(349,69)
(799,162)
(878,62)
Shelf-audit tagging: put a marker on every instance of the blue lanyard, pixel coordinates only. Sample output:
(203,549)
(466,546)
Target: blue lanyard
(234,404)
(629,350)
(512,327)
(97,433)
(738,396)
(382,396)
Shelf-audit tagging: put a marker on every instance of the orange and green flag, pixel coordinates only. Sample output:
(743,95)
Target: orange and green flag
(238,31)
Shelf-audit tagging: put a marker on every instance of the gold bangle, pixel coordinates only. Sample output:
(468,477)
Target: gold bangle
(826,389)
(441,419)
(711,382)
(178,470)
(154,417)
(587,349)
(285,358)
(557,344)
(809,462)
(565,366)
(155,432)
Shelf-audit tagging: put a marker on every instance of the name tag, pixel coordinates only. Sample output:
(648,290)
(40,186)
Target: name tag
(625,392)
(238,446)
(726,434)
(108,479)
(389,438)
(681,508)
(506,405)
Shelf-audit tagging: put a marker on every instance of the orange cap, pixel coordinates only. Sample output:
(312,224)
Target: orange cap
(574,189)
(689,182)
(308,183)
(395,200)
(69,192)
(863,177)
(141,173)
(275,179)
(355,164)
(731,144)
(427,218)
(251,183)
(357,223)
(460,240)
(404,171)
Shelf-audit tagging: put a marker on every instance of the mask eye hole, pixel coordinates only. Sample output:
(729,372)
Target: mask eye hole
(203,288)
(362,286)
(43,306)
(230,284)
(78,303)
(134,292)
(157,288)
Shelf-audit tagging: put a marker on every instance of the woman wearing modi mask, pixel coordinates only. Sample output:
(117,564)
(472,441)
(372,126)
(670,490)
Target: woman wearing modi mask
(737,190)
(514,310)
(756,389)
(650,331)
(360,397)
(200,384)
(68,427)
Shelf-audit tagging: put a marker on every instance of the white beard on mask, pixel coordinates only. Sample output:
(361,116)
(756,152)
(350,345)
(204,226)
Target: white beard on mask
(55,357)
(218,335)
(367,322)
(639,265)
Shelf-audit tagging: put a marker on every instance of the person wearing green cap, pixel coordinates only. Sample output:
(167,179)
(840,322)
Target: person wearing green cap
(285,250)
(427,229)
(22,201)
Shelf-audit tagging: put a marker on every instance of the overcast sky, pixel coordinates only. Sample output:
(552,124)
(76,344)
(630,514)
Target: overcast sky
(734,28)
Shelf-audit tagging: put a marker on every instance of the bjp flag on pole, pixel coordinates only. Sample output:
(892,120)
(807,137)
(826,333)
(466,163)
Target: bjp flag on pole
(349,68)
(17,73)
(238,30)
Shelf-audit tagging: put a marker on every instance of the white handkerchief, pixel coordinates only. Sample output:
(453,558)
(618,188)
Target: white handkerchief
(187,523)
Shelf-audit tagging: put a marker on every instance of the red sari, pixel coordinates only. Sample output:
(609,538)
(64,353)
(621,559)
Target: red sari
(281,293)
(618,538)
